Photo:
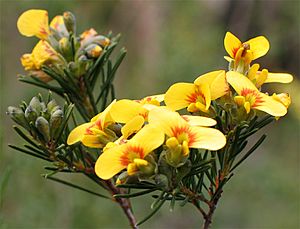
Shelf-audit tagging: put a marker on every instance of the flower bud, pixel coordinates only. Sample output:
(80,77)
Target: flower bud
(52,106)
(93,50)
(162,181)
(31,114)
(70,22)
(18,116)
(36,105)
(102,40)
(65,48)
(42,126)
(55,121)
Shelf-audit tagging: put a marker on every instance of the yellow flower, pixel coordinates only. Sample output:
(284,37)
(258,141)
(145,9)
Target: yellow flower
(34,23)
(194,136)
(264,76)
(197,96)
(248,51)
(41,53)
(283,98)
(251,98)
(96,133)
(131,154)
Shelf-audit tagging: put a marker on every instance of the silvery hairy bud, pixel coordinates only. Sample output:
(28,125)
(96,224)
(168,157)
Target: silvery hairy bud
(30,114)
(36,105)
(93,50)
(42,126)
(70,22)
(55,121)
(18,116)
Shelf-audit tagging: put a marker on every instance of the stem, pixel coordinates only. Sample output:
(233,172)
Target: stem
(212,208)
(124,203)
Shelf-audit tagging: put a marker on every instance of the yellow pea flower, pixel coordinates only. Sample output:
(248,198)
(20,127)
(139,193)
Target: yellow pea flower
(264,76)
(41,53)
(131,154)
(193,136)
(251,98)
(34,23)
(248,51)
(197,96)
(94,134)
(125,110)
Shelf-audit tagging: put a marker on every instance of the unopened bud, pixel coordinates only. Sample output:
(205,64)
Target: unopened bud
(42,126)
(93,51)
(70,22)
(51,105)
(55,121)
(102,40)
(30,114)
(162,181)
(36,104)
(65,48)
(18,116)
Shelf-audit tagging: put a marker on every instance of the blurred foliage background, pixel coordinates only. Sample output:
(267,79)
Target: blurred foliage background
(167,42)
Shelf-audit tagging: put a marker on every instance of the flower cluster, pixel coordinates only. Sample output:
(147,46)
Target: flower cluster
(143,137)
(58,47)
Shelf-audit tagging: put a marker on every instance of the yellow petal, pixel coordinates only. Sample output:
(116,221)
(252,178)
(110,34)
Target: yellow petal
(104,117)
(199,120)
(149,138)
(279,78)
(239,100)
(34,23)
(27,62)
(239,82)
(259,46)
(216,81)
(252,71)
(247,107)
(261,78)
(271,106)
(231,44)
(58,24)
(177,96)
(204,88)
(283,98)
(43,52)
(166,120)
(76,134)
(207,138)
(124,110)
(133,126)
(109,162)
(93,141)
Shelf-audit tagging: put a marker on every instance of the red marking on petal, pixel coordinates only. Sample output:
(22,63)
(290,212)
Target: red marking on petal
(195,97)
(130,153)
(177,131)
(246,92)
(234,51)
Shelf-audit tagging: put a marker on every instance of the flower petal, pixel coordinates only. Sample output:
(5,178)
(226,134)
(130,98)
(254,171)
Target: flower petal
(166,120)
(133,126)
(176,97)
(231,44)
(207,138)
(279,78)
(109,163)
(149,138)
(34,23)
(124,110)
(271,106)
(93,141)
(76,134)
(239,82)
(259,46)
(199,120)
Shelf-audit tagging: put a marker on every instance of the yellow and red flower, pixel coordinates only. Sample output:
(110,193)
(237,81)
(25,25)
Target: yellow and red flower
(197,96)
(130,155)
(251,98)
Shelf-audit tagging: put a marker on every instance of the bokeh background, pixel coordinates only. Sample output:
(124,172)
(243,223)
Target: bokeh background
(167,42)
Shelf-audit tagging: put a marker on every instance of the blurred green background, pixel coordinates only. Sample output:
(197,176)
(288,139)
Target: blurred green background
(167,42)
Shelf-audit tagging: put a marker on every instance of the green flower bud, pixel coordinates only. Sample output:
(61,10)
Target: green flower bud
(31,114)
(36,104)
(55,121)
(51,106)
(162,181)
(70,22)
(18,116)
(65,48)
(183,170)
(42,126)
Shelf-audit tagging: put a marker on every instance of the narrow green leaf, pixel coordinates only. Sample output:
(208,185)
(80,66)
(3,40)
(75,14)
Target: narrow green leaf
(256,145)
(76,187)
(135,194)
(158,206)
(29,153)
